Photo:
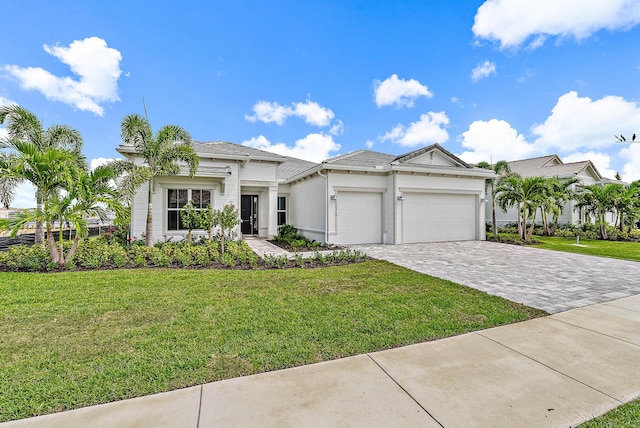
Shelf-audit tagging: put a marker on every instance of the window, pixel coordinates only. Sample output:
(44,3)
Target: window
(282,210)
(178,198)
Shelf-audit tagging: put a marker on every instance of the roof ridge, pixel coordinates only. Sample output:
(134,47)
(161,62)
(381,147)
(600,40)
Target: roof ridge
(344,156)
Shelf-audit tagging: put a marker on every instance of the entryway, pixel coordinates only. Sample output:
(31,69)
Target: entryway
(249,214)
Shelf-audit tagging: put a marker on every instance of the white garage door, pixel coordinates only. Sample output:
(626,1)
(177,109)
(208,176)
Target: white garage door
(432,217)
(359,217)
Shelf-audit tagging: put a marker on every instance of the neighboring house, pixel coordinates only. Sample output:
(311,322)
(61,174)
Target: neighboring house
(552,166)
(360,197)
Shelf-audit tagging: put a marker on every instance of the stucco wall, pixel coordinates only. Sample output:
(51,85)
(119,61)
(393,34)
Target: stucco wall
(307,207)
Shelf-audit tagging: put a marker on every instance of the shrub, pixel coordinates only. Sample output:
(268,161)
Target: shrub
(21,257)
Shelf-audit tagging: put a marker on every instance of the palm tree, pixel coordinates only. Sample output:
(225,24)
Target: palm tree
(24,126)
(49,170)
(8,184)
(598,200)
(526,195)
(501,169)
(161,153)
(558,194)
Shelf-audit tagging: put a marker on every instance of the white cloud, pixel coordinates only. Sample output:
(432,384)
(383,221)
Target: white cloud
(483,70)
(337,128)
(267,112)
(492,141)
(400,92)
(631,156)
(96,162)
(310,111)
(428,130)
(513,22)
(314,147)
(602,161)
(25,196)
(96,65)
(369,144)
(583,124)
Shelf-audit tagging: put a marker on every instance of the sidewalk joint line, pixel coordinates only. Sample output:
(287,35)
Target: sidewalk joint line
(610,303)
(550,368)
(595,331)
(405,391)
(200,406)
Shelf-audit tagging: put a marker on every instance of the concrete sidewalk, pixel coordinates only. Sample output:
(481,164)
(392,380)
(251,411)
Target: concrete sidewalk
(554,371)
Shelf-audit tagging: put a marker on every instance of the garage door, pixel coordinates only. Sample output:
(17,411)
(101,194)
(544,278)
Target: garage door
(432,217)
(359,218)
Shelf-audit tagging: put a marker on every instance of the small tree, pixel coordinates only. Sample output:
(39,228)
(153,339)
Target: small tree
(227,218)
(208,220)
(191,219)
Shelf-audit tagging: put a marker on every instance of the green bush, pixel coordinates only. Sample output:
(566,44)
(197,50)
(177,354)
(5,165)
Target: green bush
(21,257)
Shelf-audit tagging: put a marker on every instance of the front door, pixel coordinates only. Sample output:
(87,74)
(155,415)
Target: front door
(249,214)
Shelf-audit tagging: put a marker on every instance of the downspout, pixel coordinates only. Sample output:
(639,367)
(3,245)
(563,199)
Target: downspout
(326,208)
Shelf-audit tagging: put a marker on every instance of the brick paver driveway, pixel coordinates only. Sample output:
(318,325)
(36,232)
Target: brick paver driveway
(549,280)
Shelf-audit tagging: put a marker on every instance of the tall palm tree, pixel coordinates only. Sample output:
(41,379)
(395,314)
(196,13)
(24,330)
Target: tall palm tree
(559,192)
(49,170)
(598,200)
(501,169)
(8,184)
(161,153)
(526,195)
(24,127)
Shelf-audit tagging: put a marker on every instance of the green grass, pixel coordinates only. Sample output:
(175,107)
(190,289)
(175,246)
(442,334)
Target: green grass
(625,416)
(74,339)
(592,247)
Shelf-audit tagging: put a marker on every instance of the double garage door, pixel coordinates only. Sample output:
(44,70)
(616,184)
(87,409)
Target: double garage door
(432,217)
(425,217)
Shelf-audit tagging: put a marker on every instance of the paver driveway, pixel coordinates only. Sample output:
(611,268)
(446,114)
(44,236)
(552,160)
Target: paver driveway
(549,280)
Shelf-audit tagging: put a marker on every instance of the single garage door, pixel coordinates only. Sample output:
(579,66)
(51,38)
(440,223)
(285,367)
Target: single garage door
(359,218)
(432,217)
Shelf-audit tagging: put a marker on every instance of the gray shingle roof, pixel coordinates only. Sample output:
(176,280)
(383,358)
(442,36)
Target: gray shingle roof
(364,158)
(230,149)
(546,166)
(292,166)
(418,152)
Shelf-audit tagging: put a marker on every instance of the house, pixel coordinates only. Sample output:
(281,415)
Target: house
(552,166)
(360,197)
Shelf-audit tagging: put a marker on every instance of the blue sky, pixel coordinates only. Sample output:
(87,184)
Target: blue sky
(488,80)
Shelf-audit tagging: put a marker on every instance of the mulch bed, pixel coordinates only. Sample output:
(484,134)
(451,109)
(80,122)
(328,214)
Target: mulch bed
(292,249)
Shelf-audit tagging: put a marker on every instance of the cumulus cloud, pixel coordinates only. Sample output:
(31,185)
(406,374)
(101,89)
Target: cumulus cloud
(512,23)
(337,128)
(96,65)
(273,112)
(631,157)
(400,92)
(428,130)
(314,147)
(494,140)
(25,196)
(579,123)
(96,162)
(602,161)
(483,70)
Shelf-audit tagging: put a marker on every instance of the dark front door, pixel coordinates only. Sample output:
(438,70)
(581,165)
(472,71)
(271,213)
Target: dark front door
(249,214)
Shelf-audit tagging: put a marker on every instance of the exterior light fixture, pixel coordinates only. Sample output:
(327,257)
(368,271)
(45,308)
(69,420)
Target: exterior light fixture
(401,197)
(334,197)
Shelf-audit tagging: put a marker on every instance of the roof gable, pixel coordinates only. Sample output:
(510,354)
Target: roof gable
(433,155)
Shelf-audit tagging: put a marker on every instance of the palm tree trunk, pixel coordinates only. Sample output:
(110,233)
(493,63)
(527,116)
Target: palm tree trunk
(493,217)
(148,239)
(53,250)
(39,238)
(72,251)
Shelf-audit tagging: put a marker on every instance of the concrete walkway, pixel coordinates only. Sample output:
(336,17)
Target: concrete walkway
(544,279)
(549,372)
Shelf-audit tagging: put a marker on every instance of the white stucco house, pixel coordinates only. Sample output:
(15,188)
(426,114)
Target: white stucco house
(552,166)
(360,197)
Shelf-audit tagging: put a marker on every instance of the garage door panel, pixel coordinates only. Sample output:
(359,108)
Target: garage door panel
(359,218)
(432,217)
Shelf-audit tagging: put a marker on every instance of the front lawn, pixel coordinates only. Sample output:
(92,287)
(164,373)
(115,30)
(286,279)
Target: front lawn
(73,339)
(592,247)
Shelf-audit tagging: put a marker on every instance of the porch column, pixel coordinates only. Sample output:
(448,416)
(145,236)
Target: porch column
(272,219)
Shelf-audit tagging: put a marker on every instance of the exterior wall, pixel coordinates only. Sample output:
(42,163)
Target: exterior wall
(308,200)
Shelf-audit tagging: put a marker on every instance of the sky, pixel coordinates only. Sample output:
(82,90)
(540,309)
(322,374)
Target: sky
(488,80)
